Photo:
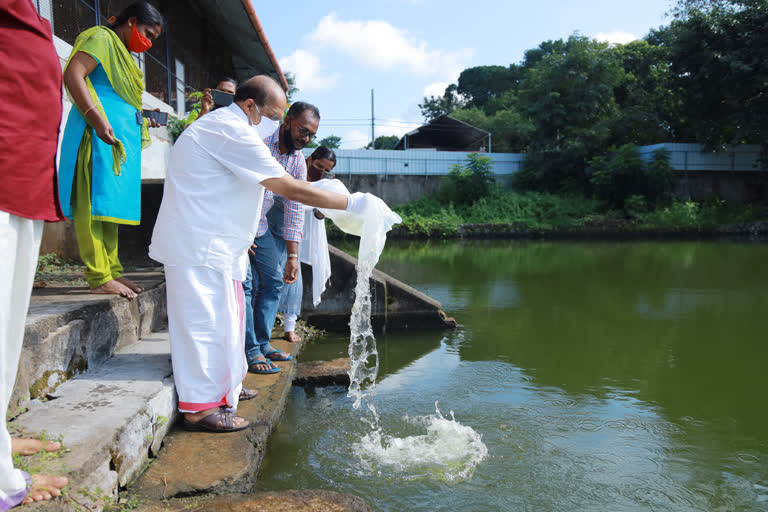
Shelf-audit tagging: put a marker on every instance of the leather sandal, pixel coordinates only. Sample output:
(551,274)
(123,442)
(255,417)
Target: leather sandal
(247,394)
(211,423)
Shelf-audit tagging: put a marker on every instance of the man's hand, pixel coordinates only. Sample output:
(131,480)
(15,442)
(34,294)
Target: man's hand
(291,270)
(206,103)
(359,202)
(250,251)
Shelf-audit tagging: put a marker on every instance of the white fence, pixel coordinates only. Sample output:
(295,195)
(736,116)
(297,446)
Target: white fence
(683,157)
(692,157)
(414,161)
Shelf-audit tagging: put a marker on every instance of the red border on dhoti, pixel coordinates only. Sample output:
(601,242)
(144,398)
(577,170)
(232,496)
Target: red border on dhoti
(189,406)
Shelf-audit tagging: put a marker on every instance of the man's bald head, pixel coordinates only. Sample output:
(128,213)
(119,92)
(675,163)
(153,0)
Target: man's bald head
(265,91)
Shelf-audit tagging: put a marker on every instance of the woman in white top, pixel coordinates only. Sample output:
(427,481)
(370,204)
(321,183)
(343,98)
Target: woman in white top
(319,166)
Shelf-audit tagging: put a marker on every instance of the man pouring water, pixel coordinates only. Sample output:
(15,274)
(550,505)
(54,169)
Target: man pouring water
(214,188)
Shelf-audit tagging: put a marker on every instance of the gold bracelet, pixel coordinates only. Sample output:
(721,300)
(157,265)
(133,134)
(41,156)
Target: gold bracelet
(86,112)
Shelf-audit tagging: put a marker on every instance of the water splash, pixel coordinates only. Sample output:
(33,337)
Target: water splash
(448,451)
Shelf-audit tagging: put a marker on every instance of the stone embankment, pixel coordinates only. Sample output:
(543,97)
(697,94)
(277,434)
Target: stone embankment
(96,374)
(394,304)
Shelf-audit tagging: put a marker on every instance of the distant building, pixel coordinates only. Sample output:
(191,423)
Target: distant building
(447,134)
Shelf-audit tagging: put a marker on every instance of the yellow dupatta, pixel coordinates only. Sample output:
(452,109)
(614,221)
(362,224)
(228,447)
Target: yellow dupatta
(125,77)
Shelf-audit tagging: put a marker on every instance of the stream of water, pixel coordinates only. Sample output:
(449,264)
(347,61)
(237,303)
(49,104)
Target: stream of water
(445,447)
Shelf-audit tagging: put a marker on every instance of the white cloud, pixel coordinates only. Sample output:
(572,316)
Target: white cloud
(435,89)
(616,37)
(397,127)
(355,139)
(382,46)
(306,67)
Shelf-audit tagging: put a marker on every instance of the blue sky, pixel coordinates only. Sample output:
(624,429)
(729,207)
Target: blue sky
(403,49)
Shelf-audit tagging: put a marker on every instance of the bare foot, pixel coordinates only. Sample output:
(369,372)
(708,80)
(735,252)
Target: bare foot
(130,284)
(197,416)
(114,287)
(292,337)
(44,488)
(27,446)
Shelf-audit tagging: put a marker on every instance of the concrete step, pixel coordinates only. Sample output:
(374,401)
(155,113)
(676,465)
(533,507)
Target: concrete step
(111,419)
(198,463)
(69,330)
(323,373)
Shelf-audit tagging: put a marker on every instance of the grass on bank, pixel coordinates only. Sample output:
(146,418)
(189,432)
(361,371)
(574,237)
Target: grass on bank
(536,211)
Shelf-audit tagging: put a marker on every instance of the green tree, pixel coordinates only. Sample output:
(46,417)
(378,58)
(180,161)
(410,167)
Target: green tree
(384,142)
(290,78)
(569,97)
(436,106)
(510,130)
(648,99)
(481,84)
(718,52)
(331,141)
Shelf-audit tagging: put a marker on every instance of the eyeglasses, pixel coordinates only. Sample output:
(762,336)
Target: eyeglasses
(274,118)
(303,132)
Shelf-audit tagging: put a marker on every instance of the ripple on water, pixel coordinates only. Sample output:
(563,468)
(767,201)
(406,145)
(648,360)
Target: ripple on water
(748,458)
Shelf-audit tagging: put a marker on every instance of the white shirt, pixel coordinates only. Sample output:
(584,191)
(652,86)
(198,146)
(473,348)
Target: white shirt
(213,194)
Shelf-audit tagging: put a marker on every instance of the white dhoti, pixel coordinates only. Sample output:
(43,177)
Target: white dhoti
(19,247)
(206,328)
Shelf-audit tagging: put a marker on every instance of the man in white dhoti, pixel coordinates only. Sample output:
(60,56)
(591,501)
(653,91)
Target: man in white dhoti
(214,187)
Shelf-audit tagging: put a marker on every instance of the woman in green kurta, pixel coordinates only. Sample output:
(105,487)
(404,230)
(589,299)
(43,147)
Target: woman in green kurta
(100,167)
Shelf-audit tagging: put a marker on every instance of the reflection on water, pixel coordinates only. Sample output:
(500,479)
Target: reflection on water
(601,376)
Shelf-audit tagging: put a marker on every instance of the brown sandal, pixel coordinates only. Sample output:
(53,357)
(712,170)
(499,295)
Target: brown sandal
(247,394)
(211,423)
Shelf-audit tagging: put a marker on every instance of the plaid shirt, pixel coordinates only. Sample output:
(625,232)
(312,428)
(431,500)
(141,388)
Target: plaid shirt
(293,219)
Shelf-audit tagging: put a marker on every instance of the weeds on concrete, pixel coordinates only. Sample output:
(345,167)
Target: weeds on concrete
(307,332)
(54,270)
(88,500)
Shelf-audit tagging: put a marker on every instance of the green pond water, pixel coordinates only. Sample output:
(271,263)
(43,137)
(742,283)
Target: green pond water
(601,377)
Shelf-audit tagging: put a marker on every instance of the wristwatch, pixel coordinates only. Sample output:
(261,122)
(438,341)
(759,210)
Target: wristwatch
(293,255)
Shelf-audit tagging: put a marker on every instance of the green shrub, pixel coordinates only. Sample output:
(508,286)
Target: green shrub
(635,205)
(175,127)
(467,183)
(625,174)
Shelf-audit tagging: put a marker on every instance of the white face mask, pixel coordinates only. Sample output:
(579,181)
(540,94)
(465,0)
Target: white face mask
(266,127)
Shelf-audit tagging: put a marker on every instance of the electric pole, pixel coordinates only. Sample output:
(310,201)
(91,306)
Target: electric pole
(373,137)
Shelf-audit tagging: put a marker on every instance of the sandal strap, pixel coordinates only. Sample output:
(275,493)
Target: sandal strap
(226,418)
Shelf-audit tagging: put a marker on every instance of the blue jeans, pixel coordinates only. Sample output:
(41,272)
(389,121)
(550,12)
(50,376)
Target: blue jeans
(262,287)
